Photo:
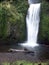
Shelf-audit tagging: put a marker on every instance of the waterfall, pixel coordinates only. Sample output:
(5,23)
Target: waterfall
(32,21)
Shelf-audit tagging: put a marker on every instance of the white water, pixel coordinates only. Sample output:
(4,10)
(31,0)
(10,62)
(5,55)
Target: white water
(32,21)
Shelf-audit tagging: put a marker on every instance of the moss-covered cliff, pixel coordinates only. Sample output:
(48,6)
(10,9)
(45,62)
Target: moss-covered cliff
(13,24)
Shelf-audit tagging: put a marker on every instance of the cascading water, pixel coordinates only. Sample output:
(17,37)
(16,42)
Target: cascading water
(32,21)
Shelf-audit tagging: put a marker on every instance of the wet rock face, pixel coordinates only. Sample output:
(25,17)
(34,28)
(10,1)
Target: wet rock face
(34,1)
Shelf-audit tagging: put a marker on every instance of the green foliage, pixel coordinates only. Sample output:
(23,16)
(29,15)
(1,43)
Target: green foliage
(24,63)
(44,24)
(2,22)
(12,19)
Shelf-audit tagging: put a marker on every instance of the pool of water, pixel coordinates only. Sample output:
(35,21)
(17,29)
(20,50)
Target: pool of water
(41,52)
